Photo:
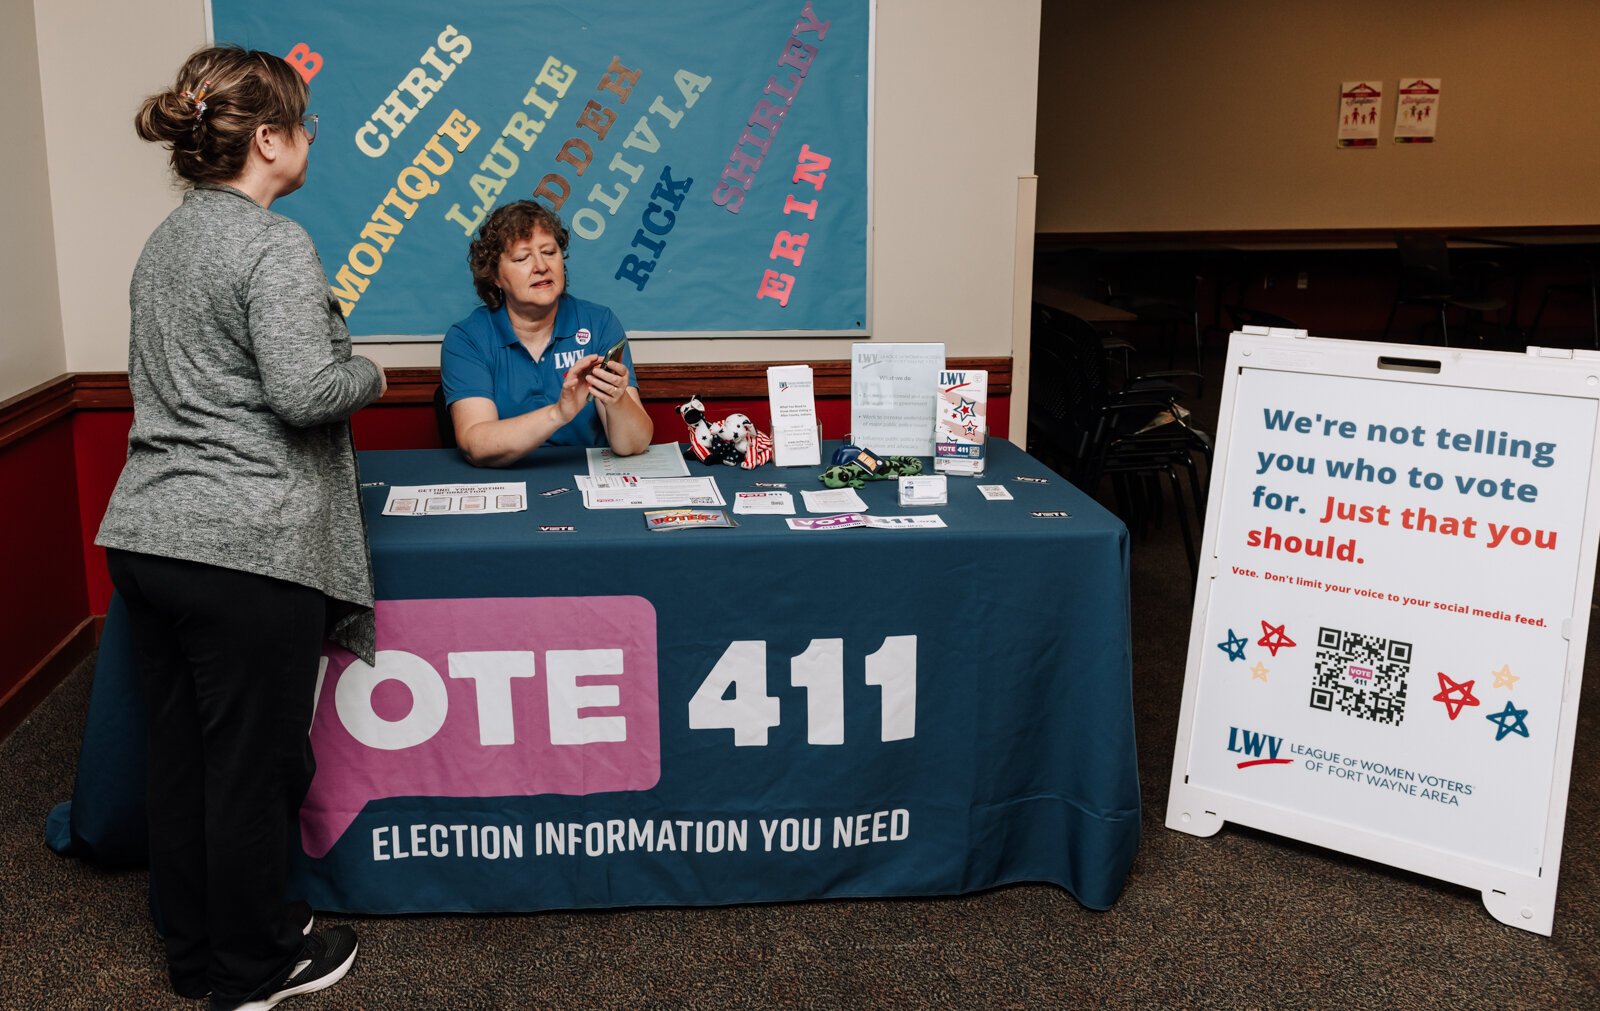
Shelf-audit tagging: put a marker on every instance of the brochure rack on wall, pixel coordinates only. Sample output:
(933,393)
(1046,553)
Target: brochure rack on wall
(1389,630)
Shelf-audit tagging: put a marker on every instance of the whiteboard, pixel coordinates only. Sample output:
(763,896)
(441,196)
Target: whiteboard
(1388,636)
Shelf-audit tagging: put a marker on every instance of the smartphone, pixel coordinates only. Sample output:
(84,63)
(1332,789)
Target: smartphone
(615,354)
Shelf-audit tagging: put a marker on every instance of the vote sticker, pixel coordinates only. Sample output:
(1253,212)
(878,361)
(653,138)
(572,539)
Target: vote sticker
(583,336)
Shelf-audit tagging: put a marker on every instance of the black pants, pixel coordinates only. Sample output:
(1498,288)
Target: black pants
(228,662)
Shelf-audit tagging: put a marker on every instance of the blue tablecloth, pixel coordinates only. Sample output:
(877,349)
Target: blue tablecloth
(606,716)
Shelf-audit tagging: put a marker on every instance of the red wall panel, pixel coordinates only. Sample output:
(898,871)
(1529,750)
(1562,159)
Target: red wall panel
(402,426)
(100,444)
(41,594)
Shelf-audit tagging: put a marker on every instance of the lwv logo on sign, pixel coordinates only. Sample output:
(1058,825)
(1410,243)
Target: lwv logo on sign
(1254,745)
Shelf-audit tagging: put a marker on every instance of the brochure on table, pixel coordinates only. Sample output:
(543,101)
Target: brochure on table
(625,492)
(456,499)
(791,392)
(893,394)
(832,500)
(770,503)
(962,422)
(1389,630)
(662,459)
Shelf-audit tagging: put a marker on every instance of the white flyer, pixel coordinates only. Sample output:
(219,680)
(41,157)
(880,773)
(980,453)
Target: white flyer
(1360,106)
(662,459)
(893,396)
(833,500)
(792,396)
(456,499)
(624,492)
(771,503)
(995,492)
(1416,118)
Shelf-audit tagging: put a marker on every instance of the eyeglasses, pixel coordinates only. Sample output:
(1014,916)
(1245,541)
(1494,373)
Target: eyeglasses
(308,123)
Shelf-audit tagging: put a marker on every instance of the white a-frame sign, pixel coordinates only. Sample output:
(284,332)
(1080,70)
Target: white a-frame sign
(1389,629)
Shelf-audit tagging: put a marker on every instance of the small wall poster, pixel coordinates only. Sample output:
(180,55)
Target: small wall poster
(1417,116)
(1360,107)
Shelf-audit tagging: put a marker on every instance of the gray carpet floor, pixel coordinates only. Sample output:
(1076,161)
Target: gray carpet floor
(1240,920)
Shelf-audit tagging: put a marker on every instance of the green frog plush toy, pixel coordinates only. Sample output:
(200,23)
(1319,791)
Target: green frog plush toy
(853,467)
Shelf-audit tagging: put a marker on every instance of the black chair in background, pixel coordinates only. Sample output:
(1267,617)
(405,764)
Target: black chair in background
(1067,385)
(1165,296)
(1130,436)
(1426,279)
(1563,288)
(441,418)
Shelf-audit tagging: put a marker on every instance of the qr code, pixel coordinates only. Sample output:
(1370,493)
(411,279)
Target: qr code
(1362,675)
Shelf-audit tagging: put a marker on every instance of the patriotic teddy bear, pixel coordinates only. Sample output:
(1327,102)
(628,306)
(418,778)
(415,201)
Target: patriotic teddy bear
(734,441)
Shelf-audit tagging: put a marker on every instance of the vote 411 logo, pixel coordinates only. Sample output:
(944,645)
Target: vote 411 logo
(750,712)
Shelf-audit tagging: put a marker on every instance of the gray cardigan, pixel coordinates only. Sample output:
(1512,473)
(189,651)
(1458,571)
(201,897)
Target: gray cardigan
(242,378)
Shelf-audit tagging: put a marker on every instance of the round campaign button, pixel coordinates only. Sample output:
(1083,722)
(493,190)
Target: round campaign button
(583,336)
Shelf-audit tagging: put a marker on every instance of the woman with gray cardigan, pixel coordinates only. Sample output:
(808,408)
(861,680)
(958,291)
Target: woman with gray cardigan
(235,534)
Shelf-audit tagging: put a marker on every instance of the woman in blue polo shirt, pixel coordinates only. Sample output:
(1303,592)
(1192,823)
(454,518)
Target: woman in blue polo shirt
(525,369)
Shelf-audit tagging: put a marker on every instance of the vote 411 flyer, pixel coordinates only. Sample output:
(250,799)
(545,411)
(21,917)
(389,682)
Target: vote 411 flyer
(961,424)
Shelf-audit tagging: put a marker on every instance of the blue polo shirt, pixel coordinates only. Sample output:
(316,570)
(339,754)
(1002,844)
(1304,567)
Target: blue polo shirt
(482,357)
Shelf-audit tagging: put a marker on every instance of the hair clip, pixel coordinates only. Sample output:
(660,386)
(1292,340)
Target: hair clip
(199,99)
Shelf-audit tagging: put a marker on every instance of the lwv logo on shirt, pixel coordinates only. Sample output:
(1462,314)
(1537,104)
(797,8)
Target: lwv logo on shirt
(566,359)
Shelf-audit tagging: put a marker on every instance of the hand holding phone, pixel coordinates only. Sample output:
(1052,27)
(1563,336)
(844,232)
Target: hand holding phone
(615,354)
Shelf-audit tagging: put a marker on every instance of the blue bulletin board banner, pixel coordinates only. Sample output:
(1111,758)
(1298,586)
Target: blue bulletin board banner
(710,157)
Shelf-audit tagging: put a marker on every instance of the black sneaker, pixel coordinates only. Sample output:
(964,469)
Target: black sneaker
(326,957)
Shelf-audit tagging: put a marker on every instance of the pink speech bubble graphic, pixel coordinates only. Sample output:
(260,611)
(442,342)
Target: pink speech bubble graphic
(486,697)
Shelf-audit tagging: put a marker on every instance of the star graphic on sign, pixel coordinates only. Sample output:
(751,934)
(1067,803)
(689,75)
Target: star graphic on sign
(1511,721)
(1273,637)
(1259,671)
(1234,647)
(966,408)
(1449,688)
(1503,678)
